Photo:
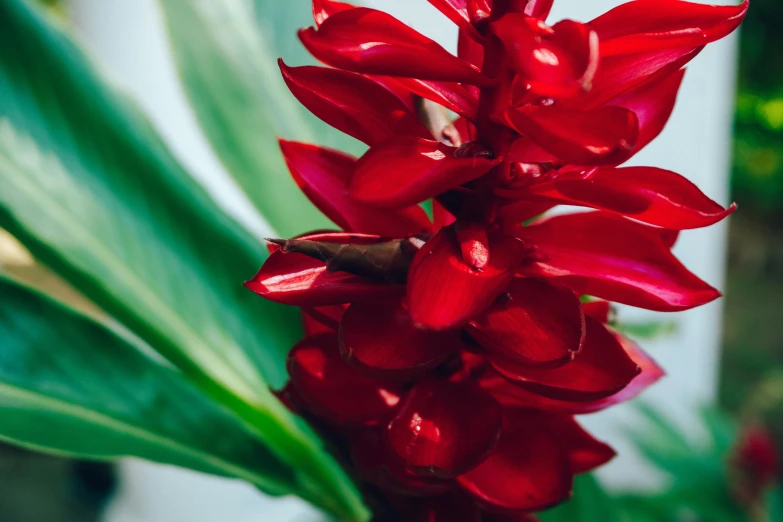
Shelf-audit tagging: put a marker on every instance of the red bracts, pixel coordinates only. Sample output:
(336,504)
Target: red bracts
(448,355)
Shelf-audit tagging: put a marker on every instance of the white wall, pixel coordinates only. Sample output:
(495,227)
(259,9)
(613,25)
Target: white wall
(127,37)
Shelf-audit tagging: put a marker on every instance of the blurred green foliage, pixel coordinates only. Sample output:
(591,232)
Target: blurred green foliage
(758,148)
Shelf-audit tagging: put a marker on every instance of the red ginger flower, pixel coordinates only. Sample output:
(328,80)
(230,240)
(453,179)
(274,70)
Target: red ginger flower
(449,357)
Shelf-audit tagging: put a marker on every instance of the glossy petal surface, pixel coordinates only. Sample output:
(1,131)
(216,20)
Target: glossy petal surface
(445,292)
(443,429)
(333,389)
(381,340)
(527,470)
(510,394)
(537,324)
(323,176)
(556,61)
(655,196)
(377,465)
(372,42)
(352,103)
(603,136)
(644,25)
(405,171)
(601,369)
(615,259)
(653,103)
(323,9)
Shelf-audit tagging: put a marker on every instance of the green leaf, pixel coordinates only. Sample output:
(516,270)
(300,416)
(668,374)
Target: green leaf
(226,53)
(92,192)
(68,385)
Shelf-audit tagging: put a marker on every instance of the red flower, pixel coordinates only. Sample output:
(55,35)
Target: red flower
(448,357)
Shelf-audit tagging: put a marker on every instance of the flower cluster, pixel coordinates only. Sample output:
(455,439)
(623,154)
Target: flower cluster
(447,356)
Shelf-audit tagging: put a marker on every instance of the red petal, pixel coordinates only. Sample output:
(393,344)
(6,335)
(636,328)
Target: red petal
(609,257)
(669,237)
(539,324)
(322,319)
(539,8)
(554,62)
(584,451)
(352,103)
(380,340)
(599,310)
(510,394)
(323,175)
(444,292)
(457,12)
(644,25)
(601,369)
(648,194)
(375,464)
(454,96)
(299,280)
(372,42)
(323,9)
(444,429)
(405,171)
(622,73)
(527,470)
(653,103)
(470,50)
(603,136)
(334,390)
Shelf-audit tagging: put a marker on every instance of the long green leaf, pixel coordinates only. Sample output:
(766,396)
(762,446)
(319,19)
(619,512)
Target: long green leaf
(68,385)
(91,190)
(226,53)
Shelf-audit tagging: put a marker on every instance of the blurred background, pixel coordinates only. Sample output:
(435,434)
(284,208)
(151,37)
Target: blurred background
(704,446)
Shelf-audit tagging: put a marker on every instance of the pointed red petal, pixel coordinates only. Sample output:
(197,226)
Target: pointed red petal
(653,103)
(372,42)
(539,8)
(601,369)
(405,171)
(527,470)
(352,103)
(648,194)
(457,12)
(299,280)
(334,390)
(599,310)
(609,257)
(380,340)
(622,73)
(444,292)
(553,62)
(375,463)
(644,25)
(443,429)
(538,324)
(323,9)
(323,174)
(584,451)
(603,136)
(510,394)
(454,96)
